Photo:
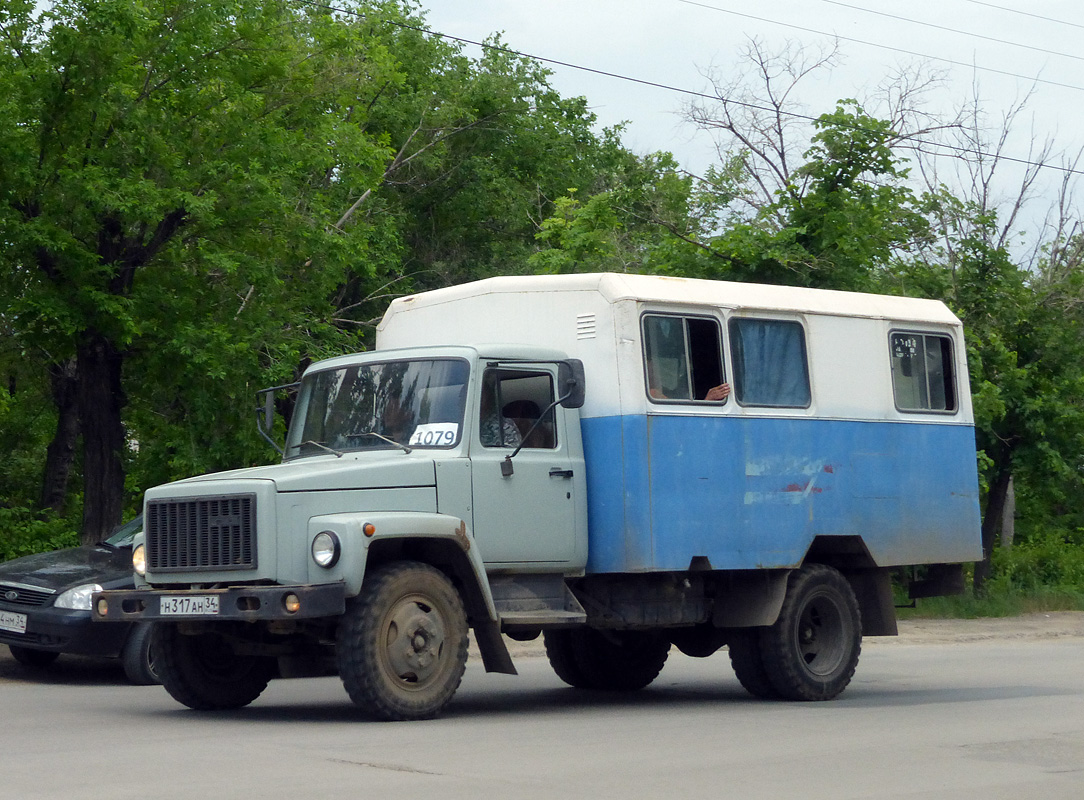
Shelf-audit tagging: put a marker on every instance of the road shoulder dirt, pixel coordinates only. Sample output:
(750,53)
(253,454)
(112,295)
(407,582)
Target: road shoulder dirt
(1045,625)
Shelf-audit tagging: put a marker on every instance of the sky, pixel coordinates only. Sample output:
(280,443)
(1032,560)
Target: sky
(1004,49)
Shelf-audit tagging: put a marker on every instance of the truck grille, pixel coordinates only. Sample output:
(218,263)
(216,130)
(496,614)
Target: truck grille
(204,533)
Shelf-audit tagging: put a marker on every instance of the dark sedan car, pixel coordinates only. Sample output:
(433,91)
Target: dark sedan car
(45,606)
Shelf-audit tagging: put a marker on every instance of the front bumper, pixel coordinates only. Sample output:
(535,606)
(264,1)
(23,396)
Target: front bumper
(234,603)
(61,630)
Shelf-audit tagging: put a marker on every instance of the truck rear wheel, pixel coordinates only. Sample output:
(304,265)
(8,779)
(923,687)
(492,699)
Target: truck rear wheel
(620,661)
(748,663)
(203,671)
(561,653)
(811,651)
(402,645)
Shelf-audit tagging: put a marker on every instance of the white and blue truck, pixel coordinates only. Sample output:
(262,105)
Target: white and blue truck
(621,464)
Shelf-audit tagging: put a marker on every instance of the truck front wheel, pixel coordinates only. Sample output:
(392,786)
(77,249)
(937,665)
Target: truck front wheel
(811,651)
(402,644)
(203,672)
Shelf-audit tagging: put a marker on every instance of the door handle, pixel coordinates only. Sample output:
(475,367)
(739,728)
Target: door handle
(557,472)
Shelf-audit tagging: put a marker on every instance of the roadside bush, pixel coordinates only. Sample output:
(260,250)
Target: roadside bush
(1042,573)
(22,533)
(1052,561)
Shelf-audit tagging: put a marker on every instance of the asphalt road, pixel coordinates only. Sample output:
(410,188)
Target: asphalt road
(985,716)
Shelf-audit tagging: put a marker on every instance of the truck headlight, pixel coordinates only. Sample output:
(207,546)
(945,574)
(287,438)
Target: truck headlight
(78,597)
(325,549)
(139,560)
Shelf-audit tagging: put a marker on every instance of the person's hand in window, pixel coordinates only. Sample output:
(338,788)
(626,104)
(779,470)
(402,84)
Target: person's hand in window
(717,393)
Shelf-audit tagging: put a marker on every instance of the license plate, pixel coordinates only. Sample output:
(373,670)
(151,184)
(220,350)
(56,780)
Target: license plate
(10,621)
(188,605)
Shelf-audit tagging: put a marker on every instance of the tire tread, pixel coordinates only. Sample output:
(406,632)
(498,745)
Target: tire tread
(782,665)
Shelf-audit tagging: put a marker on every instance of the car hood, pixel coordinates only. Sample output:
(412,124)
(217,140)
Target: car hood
(62,569)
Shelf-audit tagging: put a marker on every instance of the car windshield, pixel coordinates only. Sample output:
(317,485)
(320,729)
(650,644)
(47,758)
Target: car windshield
(415,403)
(126,533)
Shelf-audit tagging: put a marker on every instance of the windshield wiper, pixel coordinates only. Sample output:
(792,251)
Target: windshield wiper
(337,453)
(384,438)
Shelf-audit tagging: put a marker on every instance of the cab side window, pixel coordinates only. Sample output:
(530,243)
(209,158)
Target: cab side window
(512,409)
(770,364)
(682,357)
(922,373)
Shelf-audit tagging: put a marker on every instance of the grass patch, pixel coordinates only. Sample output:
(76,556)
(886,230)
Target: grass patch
(1041,574)
(996,603)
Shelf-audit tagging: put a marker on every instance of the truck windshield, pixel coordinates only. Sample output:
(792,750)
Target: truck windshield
(416,403)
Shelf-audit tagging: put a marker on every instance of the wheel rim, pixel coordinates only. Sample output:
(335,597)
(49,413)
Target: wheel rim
(152,661)
(818,635)
(414,635)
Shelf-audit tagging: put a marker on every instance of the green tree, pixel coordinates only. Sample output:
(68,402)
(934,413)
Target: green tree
(136,134)
(201,198)
(847,219)
(843,219)
(641,219)
(1027,362)
(501,146)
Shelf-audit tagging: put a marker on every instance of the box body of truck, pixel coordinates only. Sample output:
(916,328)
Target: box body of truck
(620,463)
(832,430)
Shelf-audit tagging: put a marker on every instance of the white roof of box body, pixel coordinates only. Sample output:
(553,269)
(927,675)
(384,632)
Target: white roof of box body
(596,317)
(614,287)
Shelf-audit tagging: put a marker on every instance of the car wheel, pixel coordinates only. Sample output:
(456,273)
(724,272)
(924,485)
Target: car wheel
(35,659)
(140,655)
(402,644)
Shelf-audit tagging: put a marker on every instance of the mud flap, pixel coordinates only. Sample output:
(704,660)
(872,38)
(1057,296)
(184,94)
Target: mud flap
(495,654)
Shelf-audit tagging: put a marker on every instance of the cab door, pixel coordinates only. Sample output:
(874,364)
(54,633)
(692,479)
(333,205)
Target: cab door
(537,514)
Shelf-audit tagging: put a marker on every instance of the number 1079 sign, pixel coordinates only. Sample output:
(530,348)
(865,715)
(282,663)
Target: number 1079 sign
(434,434)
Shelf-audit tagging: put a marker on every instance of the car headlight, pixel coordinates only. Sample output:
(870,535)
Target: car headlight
(325,549)
(78,597)
(139,560)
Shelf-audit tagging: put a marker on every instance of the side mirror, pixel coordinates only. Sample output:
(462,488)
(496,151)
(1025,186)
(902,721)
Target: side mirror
(265,414)
(571,384)
(571,388)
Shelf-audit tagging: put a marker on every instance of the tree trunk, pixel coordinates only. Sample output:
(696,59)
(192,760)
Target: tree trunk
(61,451)
(1008,518)
(991,520)
(100,402)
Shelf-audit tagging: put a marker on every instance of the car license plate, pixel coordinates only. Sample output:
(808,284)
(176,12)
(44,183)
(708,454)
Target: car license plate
(10,621)
(188,605)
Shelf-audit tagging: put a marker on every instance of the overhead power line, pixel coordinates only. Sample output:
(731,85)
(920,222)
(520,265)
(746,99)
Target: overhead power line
(955,149)
(883,46)
(953,30)
(1025,13)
